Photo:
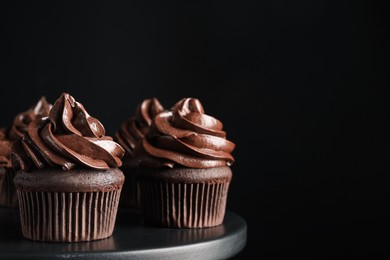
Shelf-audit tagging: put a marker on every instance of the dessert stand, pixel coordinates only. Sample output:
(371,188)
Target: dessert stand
(131,240)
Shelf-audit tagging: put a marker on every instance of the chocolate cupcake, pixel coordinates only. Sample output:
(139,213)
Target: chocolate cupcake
(67,179)
(131,132)
(22,120)
(8,196)
(185,173)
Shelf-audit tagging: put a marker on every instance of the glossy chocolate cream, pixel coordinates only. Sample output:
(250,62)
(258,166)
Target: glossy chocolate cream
(69,137)
(187,137)
(8,196)
(136,127)
(22,120)
(5,150)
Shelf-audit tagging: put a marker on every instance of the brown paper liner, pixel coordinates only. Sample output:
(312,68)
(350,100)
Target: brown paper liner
(130,191)
(181,205)
(8,196)
(68,216)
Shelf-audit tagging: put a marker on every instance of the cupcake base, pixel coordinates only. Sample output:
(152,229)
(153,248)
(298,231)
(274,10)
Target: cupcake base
(184,198)
(72,206)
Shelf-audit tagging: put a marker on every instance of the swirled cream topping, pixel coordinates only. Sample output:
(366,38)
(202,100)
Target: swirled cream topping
(136,127)
(186,136)
(69,137)
(22,120)
(5,150)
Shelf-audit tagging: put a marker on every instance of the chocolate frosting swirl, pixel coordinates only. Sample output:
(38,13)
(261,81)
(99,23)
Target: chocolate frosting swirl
(5,150)
(136,127)
(186,136)
(22,120)
(68,138)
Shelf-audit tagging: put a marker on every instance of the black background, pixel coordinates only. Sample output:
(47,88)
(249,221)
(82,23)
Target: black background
(301,87)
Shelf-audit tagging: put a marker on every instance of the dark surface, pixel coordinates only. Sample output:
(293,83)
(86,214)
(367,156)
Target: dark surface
(131,240)
(301,87)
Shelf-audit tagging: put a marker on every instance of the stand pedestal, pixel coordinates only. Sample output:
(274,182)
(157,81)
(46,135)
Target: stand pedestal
(131,240)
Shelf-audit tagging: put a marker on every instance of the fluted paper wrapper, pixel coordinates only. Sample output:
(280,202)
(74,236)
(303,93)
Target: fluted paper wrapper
(68,216)
(184,205)
(8,196)
(130,192)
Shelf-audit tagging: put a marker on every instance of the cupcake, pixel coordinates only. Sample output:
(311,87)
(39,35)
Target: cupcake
(128,136)
(185,170)
(22,120)
(8,196)
(67,179)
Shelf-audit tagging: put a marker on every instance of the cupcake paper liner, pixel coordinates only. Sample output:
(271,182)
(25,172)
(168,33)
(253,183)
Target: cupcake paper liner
(68,216)
(8,195)
(180,205)
(130,192)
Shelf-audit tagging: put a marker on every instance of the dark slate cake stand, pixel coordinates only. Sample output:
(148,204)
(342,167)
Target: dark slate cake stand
(131,240)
